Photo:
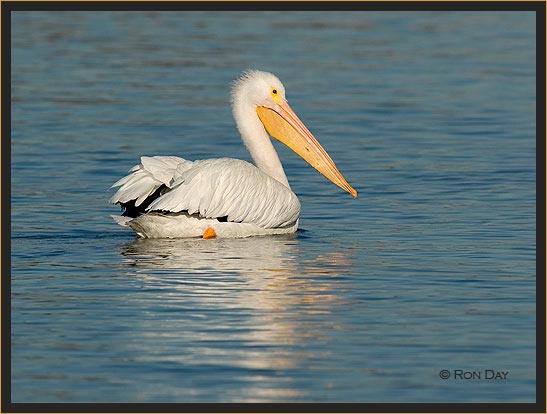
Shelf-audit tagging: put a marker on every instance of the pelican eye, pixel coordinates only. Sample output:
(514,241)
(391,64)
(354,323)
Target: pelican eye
(275,95)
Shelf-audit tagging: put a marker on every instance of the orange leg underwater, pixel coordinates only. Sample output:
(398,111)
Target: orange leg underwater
(209,233)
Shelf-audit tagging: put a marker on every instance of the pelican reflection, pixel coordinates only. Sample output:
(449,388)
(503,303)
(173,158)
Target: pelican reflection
(252,303)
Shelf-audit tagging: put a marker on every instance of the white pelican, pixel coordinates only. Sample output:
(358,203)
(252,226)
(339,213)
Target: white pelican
(170,197)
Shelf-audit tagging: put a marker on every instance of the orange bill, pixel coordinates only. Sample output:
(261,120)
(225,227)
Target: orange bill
(286,127)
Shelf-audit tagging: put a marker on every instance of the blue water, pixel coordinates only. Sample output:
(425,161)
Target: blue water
(429,115)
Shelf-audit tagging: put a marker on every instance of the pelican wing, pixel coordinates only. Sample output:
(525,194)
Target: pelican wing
(147,177)
(229,187)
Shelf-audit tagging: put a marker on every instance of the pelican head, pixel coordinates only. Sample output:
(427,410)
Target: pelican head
(264,94)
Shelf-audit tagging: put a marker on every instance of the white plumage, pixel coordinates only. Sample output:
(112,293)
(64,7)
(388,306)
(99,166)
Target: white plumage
(167,196)
(147,177)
